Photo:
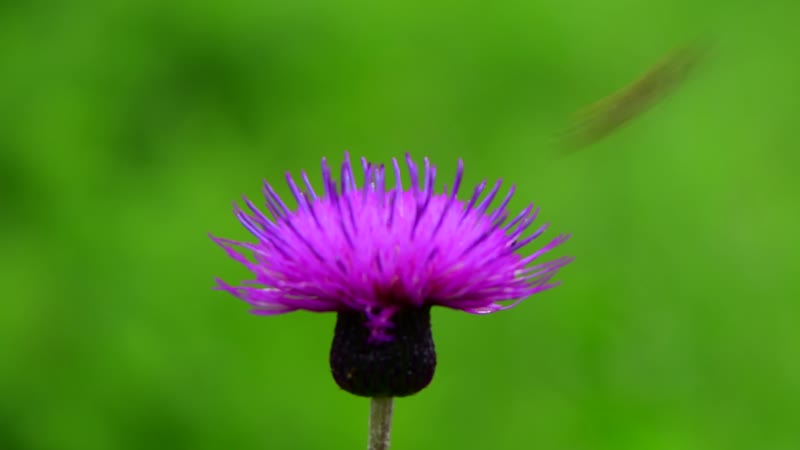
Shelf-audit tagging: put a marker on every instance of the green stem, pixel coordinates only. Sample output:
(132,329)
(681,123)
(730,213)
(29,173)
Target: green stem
(380,423)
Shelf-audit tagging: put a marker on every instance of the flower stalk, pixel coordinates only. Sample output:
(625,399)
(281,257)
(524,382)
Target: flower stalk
(380,423)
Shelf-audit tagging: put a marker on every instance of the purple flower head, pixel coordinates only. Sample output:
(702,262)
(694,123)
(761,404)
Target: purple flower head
(381,256)
(379,248)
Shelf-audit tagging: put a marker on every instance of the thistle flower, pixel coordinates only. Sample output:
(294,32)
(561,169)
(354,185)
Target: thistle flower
(381,256)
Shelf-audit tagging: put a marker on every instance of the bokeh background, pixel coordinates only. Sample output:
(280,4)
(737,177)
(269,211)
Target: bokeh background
(128,128)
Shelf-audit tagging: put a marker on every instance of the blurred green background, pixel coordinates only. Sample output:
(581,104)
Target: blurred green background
(127,129)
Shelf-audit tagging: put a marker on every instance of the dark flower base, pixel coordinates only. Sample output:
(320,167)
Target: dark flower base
(400,367)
